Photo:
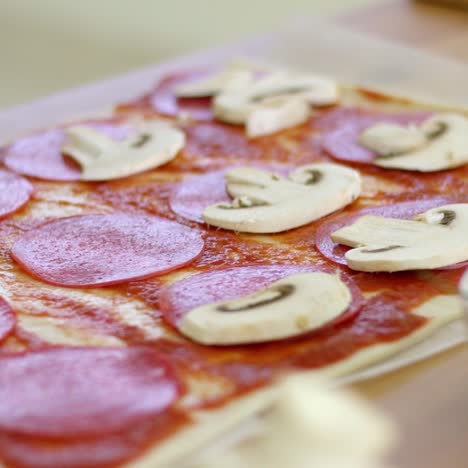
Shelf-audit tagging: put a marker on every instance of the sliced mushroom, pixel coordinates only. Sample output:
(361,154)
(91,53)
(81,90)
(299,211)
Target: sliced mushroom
(309,424)
(436,238)
(441,142)
(289,307)
(238,107)
(103,158)
(235,106)
(275,114)
(388,139)
(264,202)
(236,76)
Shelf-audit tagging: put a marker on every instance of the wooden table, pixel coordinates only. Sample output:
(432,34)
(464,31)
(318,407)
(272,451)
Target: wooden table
(429,400)
(438,29)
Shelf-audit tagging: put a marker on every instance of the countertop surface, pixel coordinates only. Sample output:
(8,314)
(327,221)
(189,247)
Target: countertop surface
(433,27)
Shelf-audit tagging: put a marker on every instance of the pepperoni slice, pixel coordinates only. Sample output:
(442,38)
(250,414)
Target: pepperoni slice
(101,250)
(192,196)
(165,102)
(213,140)
(344,126)
(7,319)
(40,155)
(407,210)
(15,191)
(112,450)
(231,283)
(83,392)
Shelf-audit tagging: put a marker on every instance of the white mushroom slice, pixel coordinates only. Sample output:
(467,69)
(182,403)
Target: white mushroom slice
(289,307)
(387,139)
(324,428)
(103,158)
(265,202)
(275,114)
(310,424)
(444,145)
(236,107)
(234,77)
(434,239)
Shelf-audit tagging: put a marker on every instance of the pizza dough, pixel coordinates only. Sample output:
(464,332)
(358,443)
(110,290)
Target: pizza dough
(128,314)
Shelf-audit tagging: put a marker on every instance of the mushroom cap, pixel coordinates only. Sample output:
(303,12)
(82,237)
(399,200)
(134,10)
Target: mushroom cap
(434,239)
(446,146)
(265,202)
(102,158)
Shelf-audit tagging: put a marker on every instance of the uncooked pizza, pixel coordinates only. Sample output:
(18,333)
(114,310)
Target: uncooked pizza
(233,226)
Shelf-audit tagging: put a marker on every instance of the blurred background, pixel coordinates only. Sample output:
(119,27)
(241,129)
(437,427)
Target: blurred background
(49,45)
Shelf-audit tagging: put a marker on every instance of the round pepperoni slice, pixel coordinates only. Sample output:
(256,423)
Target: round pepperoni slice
(344,126)
(180,298)
(102,250)
(164,101)
(7,319)
(83,392)
(40,155)
(111,450)
(15,191)
(192,196)
(407,210)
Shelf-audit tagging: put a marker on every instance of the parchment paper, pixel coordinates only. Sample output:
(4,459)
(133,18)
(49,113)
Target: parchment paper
(365,60)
